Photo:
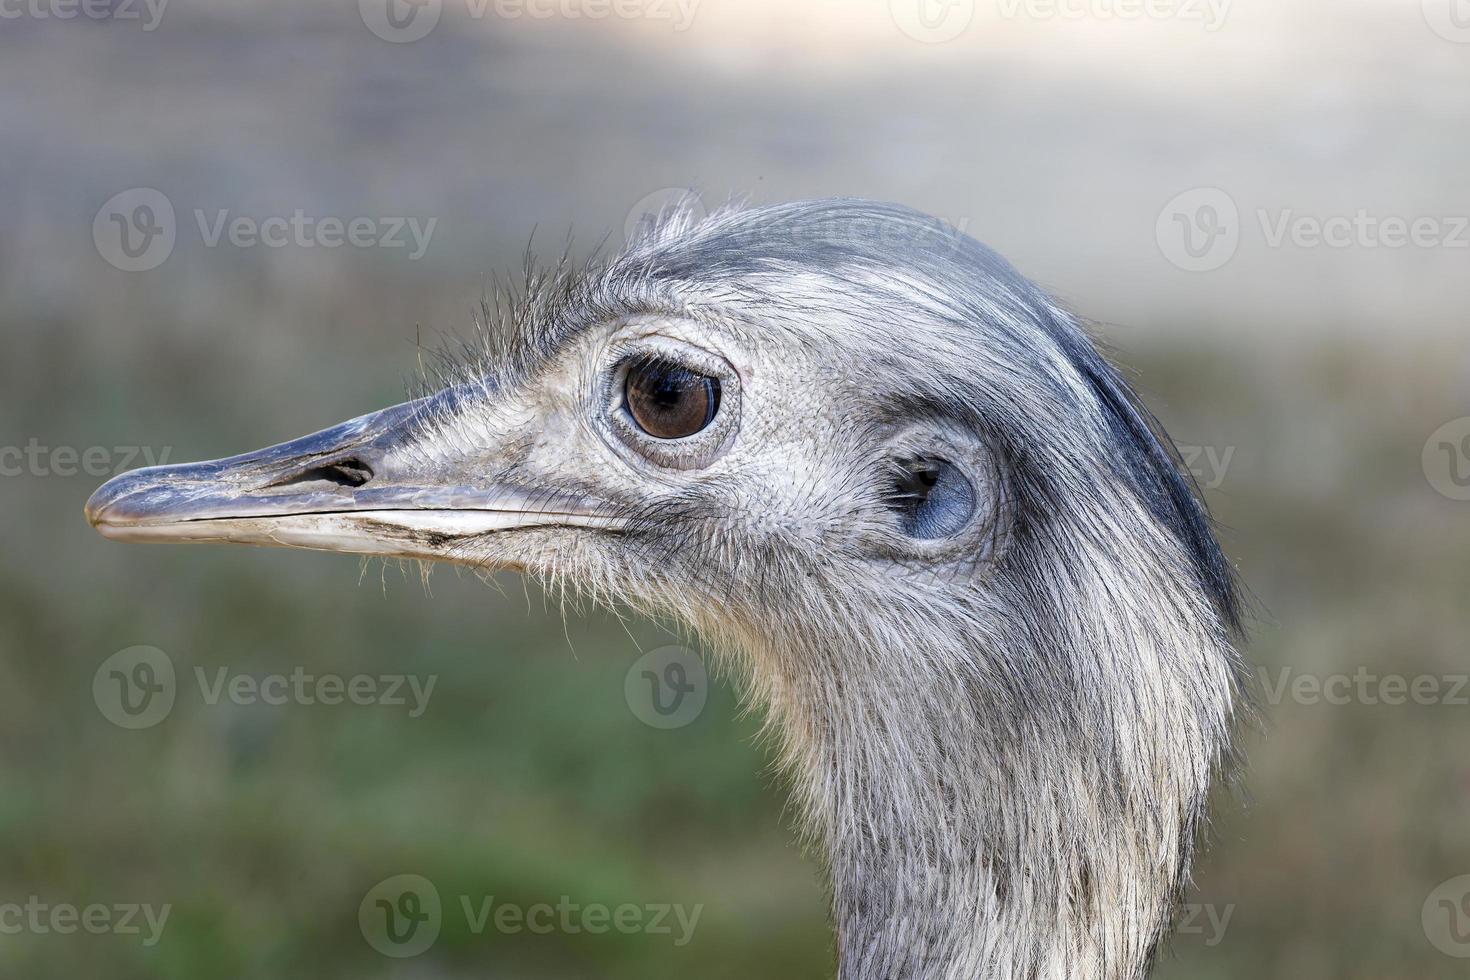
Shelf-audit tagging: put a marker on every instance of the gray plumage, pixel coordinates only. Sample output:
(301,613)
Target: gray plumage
(1001,719)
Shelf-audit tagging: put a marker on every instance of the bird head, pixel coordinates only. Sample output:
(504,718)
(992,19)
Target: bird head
(834,388)
(976,588)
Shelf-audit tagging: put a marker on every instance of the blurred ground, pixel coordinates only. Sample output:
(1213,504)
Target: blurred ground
(1305,382)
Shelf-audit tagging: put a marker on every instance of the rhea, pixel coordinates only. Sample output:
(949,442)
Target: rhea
(958,562)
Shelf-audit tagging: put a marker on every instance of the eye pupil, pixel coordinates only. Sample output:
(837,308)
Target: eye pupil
(931,497)
(669,401)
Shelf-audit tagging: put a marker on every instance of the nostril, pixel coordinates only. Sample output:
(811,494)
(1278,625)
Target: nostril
(351,472)
(347,473)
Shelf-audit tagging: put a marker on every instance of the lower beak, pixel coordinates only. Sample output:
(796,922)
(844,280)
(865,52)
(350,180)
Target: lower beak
(347,488)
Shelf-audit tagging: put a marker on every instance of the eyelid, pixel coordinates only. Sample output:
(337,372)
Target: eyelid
(665,347)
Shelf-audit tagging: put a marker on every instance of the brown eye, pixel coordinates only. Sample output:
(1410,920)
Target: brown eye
(668,401)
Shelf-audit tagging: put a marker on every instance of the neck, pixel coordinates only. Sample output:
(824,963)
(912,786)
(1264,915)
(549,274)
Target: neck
(948,862)
(992,807)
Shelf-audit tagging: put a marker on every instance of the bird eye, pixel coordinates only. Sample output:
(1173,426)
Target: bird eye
(668,401)
(931,497)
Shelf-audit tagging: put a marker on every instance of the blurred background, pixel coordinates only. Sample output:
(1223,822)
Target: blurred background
(1261,203)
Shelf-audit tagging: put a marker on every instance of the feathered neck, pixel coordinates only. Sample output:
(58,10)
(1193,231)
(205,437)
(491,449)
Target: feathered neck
(1006,782)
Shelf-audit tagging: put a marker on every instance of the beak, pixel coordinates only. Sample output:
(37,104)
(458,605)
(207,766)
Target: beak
(349,488)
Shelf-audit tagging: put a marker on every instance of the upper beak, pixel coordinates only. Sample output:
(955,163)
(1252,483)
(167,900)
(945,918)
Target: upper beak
(347,488)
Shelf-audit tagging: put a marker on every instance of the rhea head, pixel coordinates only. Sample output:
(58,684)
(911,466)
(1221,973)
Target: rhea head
(900,489)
